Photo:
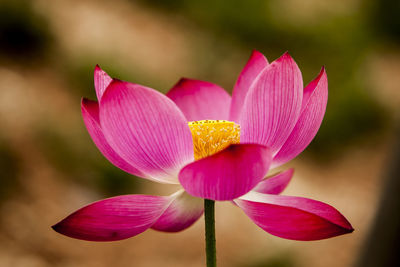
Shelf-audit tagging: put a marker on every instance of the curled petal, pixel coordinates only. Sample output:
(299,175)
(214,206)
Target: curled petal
(256,63)
(313,110)
(90,113)
(201,100)
(228,174)
(272,106)
(275,184)
(294,218)
(183,211)
(101,81)
(114,218)
(146,129)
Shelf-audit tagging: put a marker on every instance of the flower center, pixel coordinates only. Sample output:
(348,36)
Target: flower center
(212,136)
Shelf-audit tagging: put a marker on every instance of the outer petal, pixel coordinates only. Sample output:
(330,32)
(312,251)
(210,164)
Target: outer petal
(146,129)
(101,81)
(90,113)
(275,184)
(272,106)
(313,110)
(256,63)
(294,218)
(114,218)
(200,100)
(183,211)
(228,174)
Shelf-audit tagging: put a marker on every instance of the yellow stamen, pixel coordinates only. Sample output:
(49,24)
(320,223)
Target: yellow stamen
(212,136)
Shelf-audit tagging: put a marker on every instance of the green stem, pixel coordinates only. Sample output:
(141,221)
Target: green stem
(209,218)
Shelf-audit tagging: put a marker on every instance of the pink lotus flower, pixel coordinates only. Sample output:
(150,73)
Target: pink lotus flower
(215,146)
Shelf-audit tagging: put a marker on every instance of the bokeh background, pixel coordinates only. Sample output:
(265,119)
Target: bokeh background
(50,167)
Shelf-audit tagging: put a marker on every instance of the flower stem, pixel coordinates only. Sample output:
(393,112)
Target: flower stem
(209,218)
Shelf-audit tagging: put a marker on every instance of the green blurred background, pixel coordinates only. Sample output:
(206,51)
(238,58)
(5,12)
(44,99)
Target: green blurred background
(50,167)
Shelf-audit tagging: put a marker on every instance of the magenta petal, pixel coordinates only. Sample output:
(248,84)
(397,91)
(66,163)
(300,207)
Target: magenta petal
(275,184)
(228,174)
(272,106)
(313,110)
(294,218)
(256,63)
(101,81)
(200,100)
(90,113)
(183,211)
(146,129)
(113,218)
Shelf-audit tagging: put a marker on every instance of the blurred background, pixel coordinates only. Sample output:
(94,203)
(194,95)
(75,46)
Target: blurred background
(50,167)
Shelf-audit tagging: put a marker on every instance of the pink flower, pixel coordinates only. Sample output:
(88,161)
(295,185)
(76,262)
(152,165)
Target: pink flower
(216,146)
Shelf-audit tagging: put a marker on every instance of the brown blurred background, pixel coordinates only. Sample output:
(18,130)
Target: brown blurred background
(50,167)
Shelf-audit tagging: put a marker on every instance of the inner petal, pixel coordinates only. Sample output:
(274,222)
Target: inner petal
(212,136)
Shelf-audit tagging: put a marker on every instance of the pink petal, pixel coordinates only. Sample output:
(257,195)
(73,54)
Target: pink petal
(101,81)
(228,174)
(146,129)
(294,218)
(273,104)
(114,218)
(256,63)
(275,184)
(200,100)
(313,110)
(183,211)
(90,113)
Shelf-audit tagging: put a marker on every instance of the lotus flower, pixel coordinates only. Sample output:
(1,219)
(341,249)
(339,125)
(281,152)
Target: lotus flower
(215,146)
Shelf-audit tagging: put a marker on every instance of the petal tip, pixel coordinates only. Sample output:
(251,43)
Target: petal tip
(345,230)
(87,103)
(114,81)
(349,228)
(182,81)
(185,79)
(284,57)
(58,228)
(101,81)
(322,72)
(85,100)
(98,70)
(113,84)
(256,53)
